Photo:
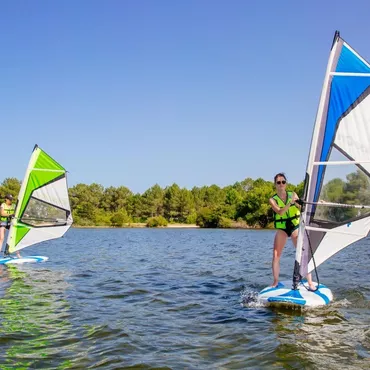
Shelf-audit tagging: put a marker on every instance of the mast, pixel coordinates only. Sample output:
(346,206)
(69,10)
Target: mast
(310,170)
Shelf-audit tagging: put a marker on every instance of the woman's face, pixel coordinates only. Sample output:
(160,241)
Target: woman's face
(280,182)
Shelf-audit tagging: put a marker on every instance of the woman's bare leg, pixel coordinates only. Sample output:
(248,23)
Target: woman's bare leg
(279,243)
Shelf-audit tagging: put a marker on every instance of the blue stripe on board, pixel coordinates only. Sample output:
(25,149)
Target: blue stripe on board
(322,295)
(293,296)
(37,258)
(3,261)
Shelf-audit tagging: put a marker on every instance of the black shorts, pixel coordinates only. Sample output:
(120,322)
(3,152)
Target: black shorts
(289,228)
(289,231)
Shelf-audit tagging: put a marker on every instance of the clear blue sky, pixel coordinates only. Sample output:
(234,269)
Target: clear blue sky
(141,92)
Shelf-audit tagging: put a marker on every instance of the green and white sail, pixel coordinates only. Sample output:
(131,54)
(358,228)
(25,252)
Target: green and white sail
(43,210)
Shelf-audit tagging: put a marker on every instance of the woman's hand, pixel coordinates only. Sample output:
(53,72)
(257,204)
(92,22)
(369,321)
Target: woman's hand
(294,198)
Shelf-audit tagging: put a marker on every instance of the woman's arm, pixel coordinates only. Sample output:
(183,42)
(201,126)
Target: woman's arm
(295,199)
(277,209)
(2,212)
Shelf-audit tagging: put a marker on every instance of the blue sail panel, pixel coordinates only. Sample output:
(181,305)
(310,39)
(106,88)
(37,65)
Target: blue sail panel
(346,92)
(349,62)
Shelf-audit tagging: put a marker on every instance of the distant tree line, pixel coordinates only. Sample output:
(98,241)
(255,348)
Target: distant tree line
(243,204)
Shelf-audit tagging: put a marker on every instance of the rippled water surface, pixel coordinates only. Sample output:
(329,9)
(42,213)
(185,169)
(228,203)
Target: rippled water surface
(176,299)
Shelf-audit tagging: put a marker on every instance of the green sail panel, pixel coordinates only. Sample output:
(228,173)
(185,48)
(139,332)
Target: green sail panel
(16,234)
(20,232)
(45,162)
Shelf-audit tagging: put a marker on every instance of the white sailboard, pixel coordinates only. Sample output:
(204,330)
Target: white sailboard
(42,211)
(336,209)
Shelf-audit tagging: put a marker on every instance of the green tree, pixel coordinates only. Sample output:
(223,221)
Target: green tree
(255,206)
(207,218)
(85,200)
(171,202)
(198,197)
(299,189)
(11,186)
(214,196)
(119,218)
(152,201)
(186,205)
(135,207)
(158,221)
(115,199)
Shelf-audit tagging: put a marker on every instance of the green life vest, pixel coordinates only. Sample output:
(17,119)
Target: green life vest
(8,209)
(292,214)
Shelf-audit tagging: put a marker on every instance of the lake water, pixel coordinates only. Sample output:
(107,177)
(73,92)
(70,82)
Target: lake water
(176,299)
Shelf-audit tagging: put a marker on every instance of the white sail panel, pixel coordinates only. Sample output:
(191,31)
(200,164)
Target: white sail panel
(338,238)
(353,133)
(55,193)
(38,235)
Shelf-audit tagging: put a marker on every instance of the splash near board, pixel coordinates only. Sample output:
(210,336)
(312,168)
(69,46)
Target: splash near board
(336,201)
(42,210)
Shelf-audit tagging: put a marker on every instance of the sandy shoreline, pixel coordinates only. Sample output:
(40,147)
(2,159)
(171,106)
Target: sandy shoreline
(139,225)
(183,226)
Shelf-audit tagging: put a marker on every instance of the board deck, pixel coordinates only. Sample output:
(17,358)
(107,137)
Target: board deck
(284,295)
(26,259)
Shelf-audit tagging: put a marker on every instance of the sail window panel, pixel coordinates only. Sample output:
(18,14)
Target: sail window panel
(345,184)
(41,214)
(55,192)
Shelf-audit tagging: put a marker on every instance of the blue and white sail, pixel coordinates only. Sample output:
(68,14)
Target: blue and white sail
(337,184)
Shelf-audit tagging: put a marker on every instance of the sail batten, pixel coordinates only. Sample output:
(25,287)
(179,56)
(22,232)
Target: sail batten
(43,210)
(336,210)
(340,205)
(349,74)
(46,170)
(338,163)
(320,229)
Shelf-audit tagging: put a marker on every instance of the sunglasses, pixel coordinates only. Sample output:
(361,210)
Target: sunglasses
(281,182)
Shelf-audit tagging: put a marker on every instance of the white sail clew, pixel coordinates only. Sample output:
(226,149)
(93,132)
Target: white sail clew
(43,209)
(338,168)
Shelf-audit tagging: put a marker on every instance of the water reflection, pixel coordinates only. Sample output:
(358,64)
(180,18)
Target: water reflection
(35,319)
(167,298)
(321,338)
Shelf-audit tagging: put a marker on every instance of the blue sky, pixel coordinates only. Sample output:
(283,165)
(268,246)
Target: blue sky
(137,92)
